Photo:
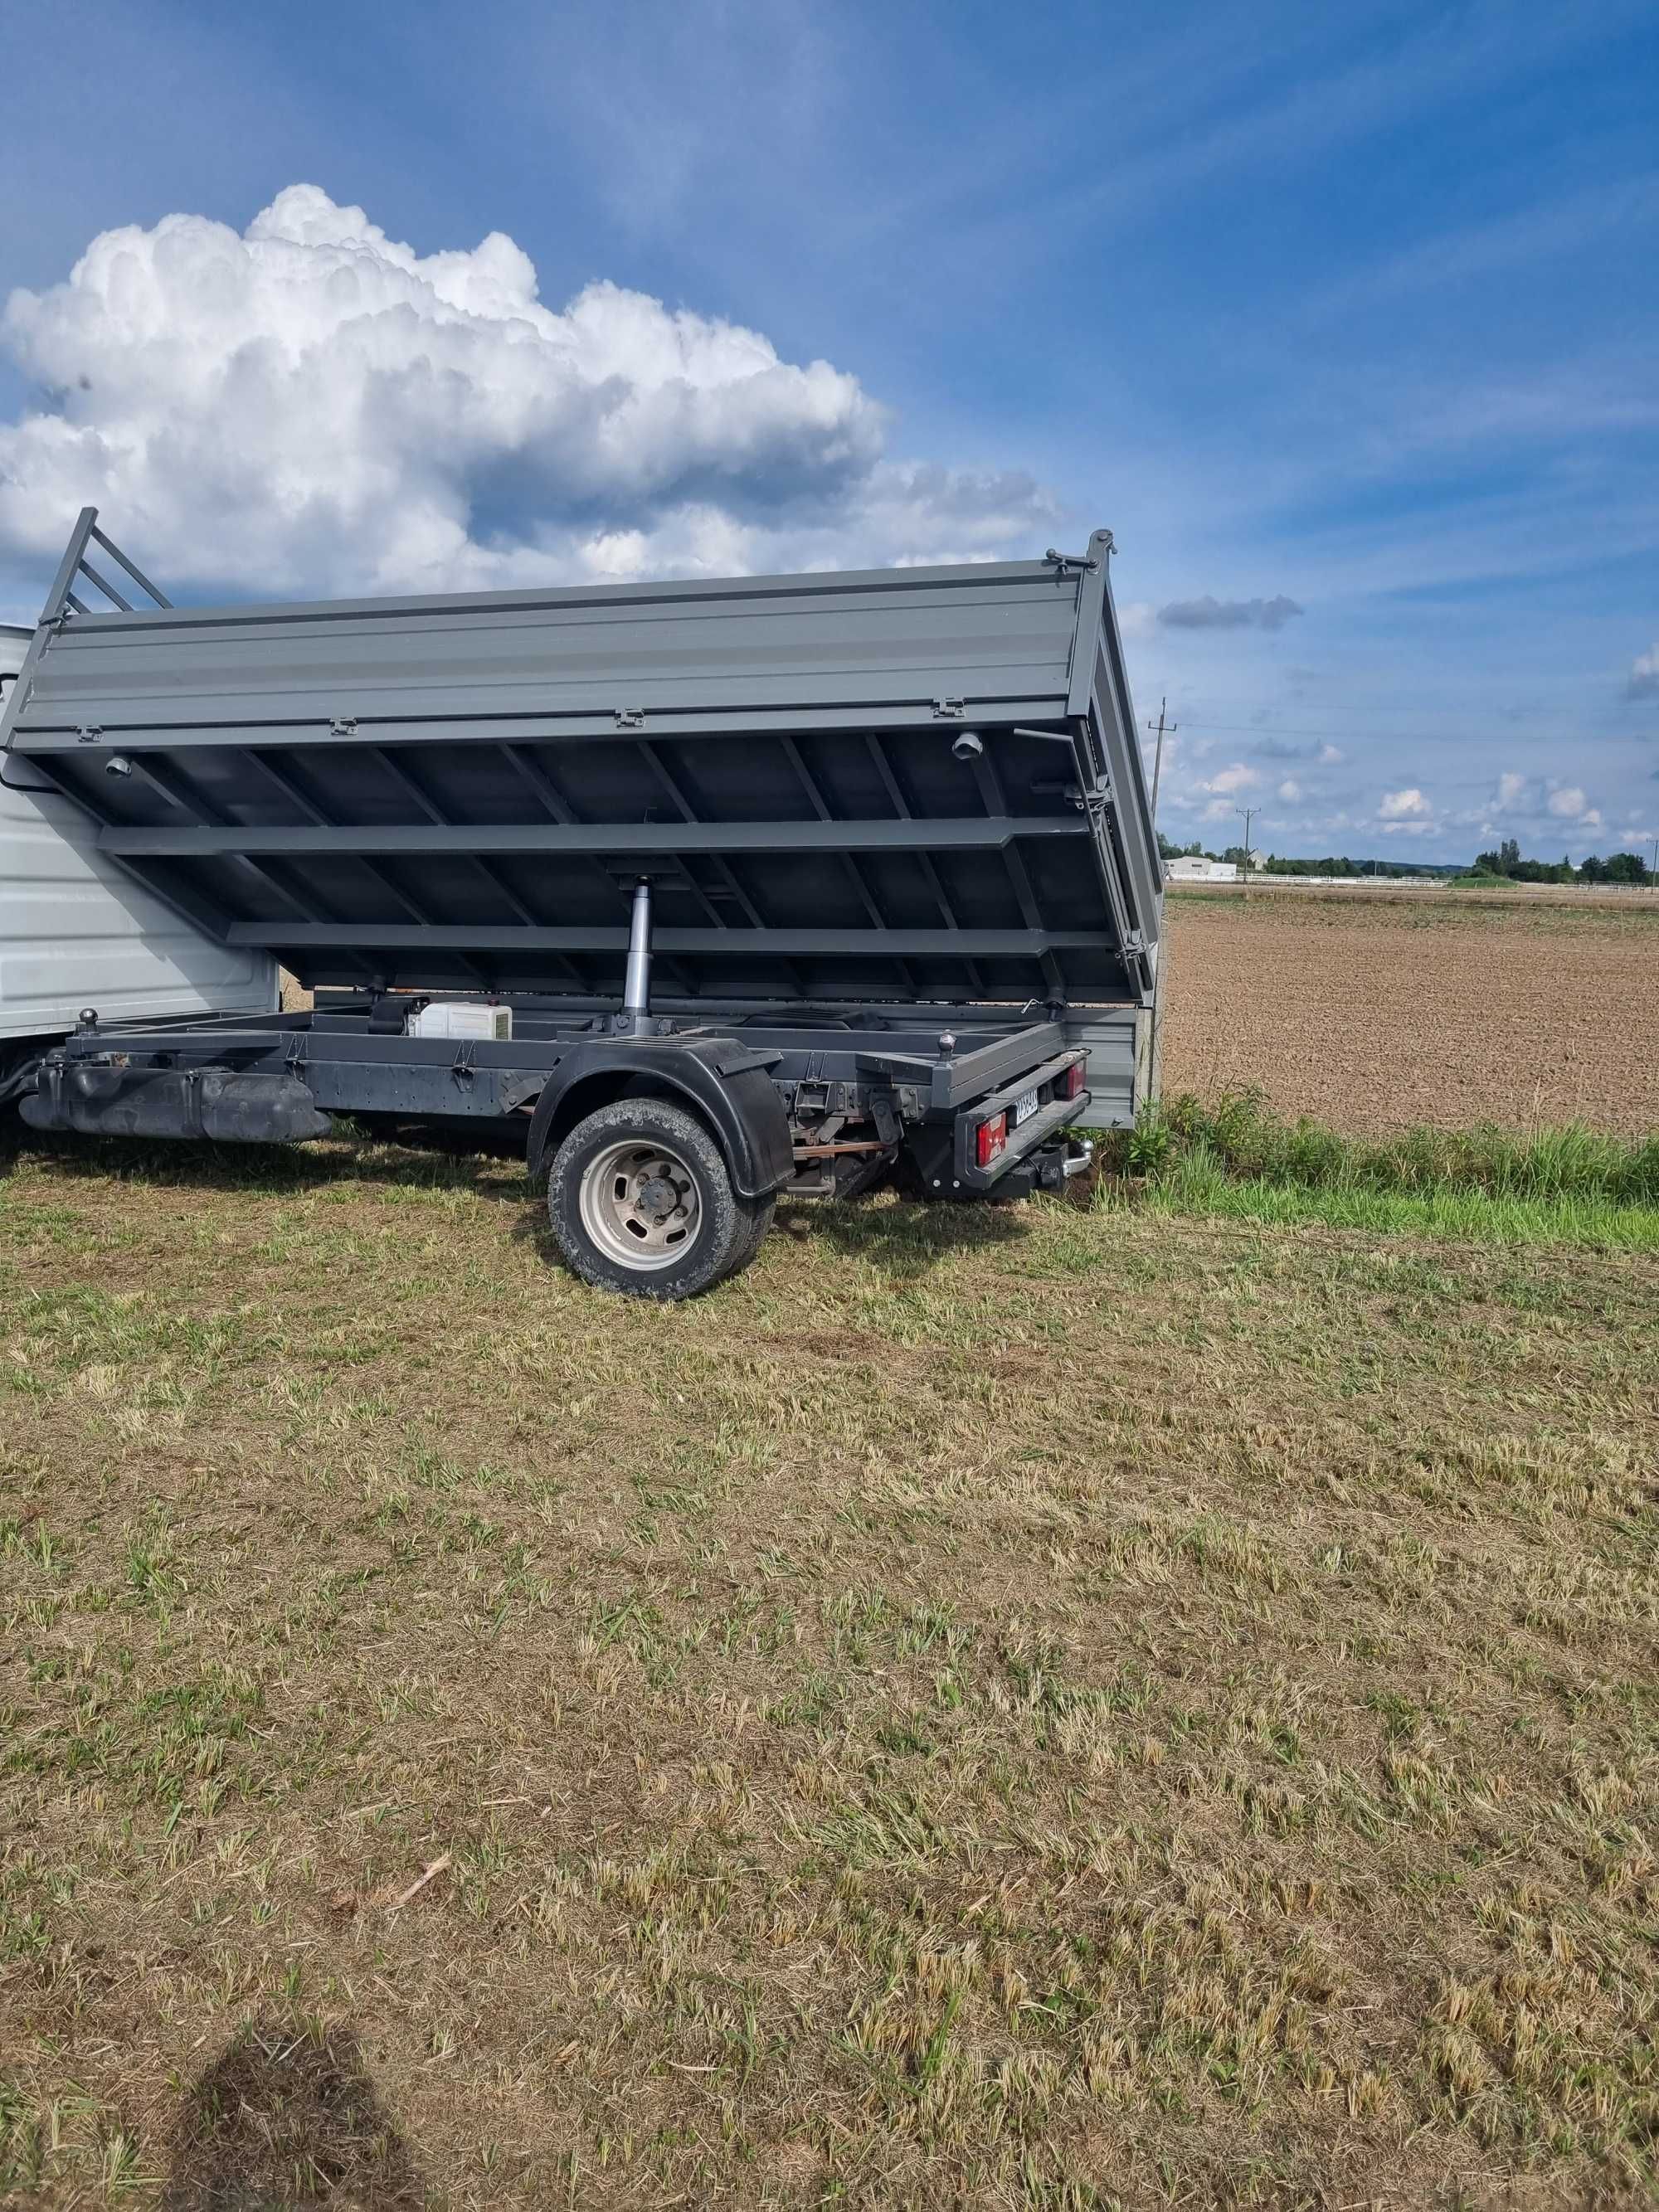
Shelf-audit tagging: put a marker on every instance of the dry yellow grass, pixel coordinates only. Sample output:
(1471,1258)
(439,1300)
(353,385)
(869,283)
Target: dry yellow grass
(1022,1709)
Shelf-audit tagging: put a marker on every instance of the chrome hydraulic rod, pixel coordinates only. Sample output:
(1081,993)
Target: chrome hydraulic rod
(636,988)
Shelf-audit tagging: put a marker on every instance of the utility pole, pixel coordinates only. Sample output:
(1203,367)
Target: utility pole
(1157,757)
(1249,814)
(1654,871)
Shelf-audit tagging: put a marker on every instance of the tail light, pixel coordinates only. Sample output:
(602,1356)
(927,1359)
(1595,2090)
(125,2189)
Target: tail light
(1070,1083)
(990,1139)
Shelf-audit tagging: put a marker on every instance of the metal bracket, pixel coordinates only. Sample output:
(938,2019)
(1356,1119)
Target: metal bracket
(343,725)
(294,1054)
(951,710)
(629,718)
(464,1070)
(1085,563)
(89,733)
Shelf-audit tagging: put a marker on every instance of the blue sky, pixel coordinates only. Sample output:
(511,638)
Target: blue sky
(1344,320)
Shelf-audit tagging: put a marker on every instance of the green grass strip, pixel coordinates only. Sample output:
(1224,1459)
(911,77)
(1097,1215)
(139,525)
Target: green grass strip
(1240,1135)
(1233,1156)
(1197,1185)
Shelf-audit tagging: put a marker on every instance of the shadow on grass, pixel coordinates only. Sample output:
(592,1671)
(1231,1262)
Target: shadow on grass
(288,2116)
(902,1240)
(434,1159)
(899,1238)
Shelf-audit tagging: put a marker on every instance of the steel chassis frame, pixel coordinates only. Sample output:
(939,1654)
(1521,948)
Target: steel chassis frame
(879,1064)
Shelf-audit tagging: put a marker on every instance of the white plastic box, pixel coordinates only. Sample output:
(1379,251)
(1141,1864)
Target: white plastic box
(490,1025)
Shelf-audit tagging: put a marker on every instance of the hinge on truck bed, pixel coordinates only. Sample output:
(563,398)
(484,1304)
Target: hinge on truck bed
(343,725)
(951,710)
(629,718)
(1085,562)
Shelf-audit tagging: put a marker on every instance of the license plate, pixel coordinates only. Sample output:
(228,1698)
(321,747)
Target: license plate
(1024,1106)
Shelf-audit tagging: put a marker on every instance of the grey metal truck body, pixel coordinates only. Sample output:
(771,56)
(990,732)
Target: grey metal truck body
(841,868)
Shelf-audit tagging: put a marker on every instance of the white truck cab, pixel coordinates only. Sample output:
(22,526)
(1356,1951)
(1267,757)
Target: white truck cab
(76,931)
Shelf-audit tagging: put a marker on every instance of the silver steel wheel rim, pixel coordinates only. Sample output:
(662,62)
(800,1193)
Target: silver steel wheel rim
(640,1204)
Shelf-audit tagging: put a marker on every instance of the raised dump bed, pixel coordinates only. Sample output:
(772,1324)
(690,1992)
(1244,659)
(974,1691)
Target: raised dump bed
(838,818)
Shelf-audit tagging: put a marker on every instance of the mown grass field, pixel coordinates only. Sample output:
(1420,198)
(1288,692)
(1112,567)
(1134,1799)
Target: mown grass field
(1045,1708)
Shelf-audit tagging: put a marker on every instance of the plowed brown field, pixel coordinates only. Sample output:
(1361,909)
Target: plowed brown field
(1373,1014)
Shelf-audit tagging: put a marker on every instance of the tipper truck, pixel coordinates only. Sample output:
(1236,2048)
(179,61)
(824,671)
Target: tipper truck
(709,891)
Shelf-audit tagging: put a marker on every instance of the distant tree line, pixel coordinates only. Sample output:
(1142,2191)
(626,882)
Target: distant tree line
(1505,862)
(1342,865)
(1273,865)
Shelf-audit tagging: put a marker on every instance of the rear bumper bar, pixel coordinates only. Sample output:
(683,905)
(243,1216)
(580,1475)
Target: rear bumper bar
(1038,1129)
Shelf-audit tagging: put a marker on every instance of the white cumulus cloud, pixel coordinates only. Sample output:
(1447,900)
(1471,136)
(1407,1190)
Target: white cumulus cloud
(1330,754)
(1644,675)
(1569,803)
(1405,805)
(1510,787)
(1238,777)
(1289,790)
(310,405)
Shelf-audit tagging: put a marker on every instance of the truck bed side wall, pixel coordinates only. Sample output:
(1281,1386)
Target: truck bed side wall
(76,931)
(1120,1078)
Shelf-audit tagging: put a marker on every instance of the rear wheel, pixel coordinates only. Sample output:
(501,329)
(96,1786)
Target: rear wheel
(640,1200)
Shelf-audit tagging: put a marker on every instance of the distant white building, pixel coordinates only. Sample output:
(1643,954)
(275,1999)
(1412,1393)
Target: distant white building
(1193,869)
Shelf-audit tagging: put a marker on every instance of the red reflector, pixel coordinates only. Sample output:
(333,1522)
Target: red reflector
(1072,1082)
(991,1138)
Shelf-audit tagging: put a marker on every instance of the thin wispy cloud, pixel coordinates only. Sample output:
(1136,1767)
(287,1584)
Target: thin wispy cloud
(1211,613)
(1524,240)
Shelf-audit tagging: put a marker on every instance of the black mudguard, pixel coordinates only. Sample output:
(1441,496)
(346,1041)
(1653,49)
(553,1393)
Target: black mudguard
(727,1082)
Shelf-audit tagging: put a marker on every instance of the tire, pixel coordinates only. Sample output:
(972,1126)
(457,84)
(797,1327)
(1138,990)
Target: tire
(641,1201)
